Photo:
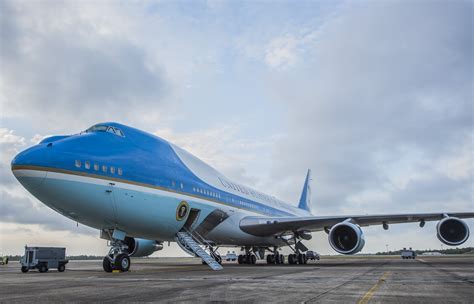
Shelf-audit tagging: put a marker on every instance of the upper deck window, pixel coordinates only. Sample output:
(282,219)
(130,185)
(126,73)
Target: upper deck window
(104,128)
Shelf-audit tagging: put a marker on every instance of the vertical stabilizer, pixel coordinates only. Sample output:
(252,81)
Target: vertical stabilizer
(305,199)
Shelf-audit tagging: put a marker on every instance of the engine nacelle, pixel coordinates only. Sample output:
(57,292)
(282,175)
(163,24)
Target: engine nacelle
(141,247)
(452,231)
(346,238)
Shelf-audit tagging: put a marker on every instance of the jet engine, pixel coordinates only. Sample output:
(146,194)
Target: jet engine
(452,231)
(346,238)
(141,247)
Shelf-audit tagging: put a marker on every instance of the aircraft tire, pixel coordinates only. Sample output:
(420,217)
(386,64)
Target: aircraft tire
(291,259)
(253,259)
(278,259)
(270,259)
(240,259)
(24,269)
(107,265)
(282,259)
(300,259)
(122,262)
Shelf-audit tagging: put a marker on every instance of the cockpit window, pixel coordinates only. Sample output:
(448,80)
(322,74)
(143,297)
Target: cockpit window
(103,128)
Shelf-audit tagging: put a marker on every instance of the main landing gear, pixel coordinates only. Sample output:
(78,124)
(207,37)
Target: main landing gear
(297,258)
(248,258)
(275,257)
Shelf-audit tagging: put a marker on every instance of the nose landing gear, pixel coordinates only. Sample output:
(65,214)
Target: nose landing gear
(118,257)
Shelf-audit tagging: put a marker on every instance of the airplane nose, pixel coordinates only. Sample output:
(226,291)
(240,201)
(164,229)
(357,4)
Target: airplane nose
(28,166)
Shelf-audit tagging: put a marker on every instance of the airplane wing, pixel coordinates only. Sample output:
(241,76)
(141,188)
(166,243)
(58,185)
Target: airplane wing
(267,226)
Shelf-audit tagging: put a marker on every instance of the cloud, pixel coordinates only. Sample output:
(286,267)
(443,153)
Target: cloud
(10,145)
(67,63)
(384,95)
(281,52)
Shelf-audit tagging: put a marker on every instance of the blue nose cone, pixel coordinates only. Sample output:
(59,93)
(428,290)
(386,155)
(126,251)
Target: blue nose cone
(28,166)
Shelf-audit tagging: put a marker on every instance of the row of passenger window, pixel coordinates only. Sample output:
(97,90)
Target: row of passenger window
(97,167)
(206,192)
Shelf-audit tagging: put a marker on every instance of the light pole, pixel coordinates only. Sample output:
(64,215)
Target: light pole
(386,246)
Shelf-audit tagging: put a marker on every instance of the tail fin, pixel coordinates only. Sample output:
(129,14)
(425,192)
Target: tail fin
(305,199)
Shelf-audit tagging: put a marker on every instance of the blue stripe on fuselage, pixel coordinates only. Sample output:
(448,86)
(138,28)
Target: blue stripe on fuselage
(144,159)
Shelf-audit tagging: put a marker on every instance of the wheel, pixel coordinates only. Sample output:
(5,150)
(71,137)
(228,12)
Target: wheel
(300,259)
(24,269)
(122,262)
(42,268)
(240,259)
(270,259)
(107,265)
(61,268)
(282,259)
(248,259)
(253,259)
(291,259)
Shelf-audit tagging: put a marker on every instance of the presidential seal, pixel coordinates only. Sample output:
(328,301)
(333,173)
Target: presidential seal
(182,211)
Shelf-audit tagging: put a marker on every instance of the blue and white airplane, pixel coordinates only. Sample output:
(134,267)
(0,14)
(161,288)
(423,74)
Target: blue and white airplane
(140,191)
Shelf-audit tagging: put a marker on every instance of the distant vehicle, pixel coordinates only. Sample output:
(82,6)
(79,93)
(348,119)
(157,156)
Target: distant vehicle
(3,260)
(312,255)
(408,254)
(231,256)
(43,258)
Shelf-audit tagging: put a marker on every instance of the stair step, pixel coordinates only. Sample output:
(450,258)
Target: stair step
(187,240)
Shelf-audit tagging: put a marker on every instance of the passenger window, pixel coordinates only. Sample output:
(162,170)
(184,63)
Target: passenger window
(112,170)
(96,167)
(87,164)
(78,163)
(181,185)
(104,168)
(119,171)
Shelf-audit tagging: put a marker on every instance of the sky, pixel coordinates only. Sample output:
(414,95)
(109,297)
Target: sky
(375,97)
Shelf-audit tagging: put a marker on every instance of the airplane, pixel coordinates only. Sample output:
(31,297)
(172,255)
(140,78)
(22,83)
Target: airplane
(140,191)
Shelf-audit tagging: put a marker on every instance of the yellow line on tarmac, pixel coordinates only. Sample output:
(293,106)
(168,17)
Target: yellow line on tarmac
(368,295)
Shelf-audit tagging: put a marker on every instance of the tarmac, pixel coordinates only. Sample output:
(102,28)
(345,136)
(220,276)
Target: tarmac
(358,279)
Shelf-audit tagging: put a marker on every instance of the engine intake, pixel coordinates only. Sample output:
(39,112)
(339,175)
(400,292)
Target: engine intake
(141,247)
(452,231)
(346,238)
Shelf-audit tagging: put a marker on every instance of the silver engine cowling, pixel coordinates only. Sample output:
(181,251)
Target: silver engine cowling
(346,238)
(452,231)
(141,247)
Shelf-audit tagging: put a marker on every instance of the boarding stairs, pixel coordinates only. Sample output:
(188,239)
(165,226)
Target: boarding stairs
(191,242)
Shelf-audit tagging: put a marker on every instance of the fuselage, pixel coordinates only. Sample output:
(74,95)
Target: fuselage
(113,176)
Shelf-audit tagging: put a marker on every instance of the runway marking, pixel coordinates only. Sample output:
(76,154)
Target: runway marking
(368,295)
